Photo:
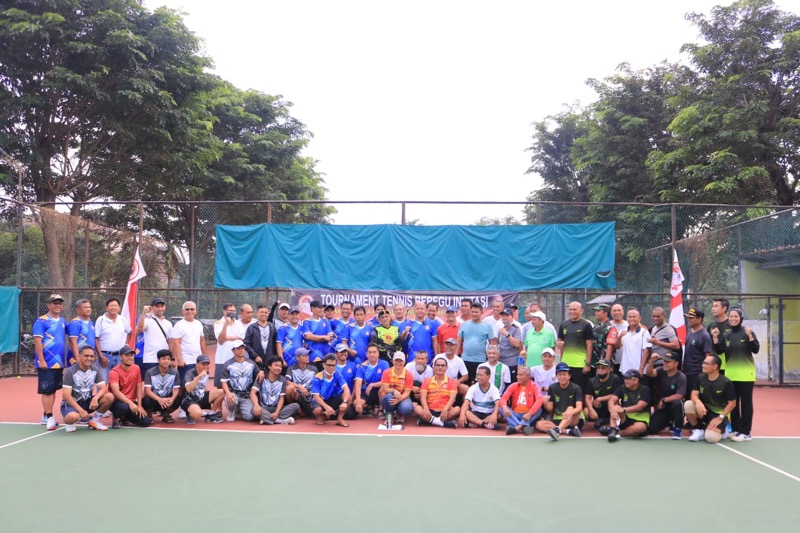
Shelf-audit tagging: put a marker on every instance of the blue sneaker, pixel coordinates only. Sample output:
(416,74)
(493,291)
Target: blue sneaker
(676,434)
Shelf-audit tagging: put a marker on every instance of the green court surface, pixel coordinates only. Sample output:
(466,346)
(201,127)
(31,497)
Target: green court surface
(169,480)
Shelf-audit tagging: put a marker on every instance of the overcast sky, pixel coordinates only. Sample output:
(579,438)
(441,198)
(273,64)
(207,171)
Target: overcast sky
(432,100)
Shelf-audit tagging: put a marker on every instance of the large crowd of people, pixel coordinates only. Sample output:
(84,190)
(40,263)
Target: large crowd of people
(464,371)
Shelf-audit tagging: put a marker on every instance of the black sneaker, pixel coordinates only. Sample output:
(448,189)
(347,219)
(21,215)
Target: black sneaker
(213,418)
(450,424)
(576,431)
(554,434)
(528,430)
(614,435)
(604,430)
(511,430)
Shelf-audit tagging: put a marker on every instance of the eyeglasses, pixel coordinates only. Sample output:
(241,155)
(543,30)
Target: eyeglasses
(189,309)
(708,363)
(329,364)
(440,366)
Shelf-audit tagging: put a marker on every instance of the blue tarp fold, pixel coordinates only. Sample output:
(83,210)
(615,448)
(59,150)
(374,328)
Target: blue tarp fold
(9,319)
(405,258)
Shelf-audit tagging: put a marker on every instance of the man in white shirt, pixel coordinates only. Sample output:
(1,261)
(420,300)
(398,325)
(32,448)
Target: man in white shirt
(545,374)
(226,335)
(156,330)
(112,332)
(494,319)
(456,369)
(500,374)
(633,345)
(187,341)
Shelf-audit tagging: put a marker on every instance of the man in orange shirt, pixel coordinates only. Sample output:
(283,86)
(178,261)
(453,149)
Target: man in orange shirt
(396,386)
(437,396)
(522,403)
(448,330)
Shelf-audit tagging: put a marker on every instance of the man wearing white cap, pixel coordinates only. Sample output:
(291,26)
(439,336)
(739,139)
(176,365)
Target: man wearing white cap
(456,369)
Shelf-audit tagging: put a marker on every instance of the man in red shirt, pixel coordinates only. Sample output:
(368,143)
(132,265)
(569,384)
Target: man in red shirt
(448,330)
(522,403)
(125,381)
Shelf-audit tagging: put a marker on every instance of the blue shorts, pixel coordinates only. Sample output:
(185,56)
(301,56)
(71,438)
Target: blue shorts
(67,408)
(49,380)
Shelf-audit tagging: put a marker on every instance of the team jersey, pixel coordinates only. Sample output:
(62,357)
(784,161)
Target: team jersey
(439,393)
(326,387)
(202,384)
(723,328)
(716,394)
(527,399)
(53,332)
(575,335)
(162,385)
(348,372)
(401,327)
(421,337)
(83,331)
(669,385)
(598,388)
(290,340)
(359,339)
(388,341)
(239,376)
(483,401)
(564,398)
(499,375)
(417,376)
(341,334)
(270,392)
(369,374)
(318,349)
(398,383)
(544,377)
(81,383)
(632,397)
(301,376)
(739,350)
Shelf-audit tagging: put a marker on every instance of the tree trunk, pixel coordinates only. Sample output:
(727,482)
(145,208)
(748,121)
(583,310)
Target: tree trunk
(50,235)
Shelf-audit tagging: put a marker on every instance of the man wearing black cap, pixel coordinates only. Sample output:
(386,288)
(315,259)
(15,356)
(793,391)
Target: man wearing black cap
(599,392)
(318,333)
(605,335)
(156,329)
(125,383)
(671,384)
(630,407)
(198,398)
(698,347)
(238,376)
(448,330)
(564,405)
(162,388)
(50,346)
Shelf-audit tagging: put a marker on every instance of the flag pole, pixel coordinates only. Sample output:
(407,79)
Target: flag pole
(676,318)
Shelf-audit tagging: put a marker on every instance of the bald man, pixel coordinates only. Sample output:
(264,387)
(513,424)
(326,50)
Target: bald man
(575,342)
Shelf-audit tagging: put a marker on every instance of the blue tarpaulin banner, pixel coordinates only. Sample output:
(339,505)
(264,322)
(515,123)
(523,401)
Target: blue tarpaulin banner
(9,319)
(408,258)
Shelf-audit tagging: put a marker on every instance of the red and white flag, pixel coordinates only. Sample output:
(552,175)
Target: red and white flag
(131,293)
(676,318)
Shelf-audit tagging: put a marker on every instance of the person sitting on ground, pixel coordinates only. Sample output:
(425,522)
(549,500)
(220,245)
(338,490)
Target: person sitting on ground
(301,374)
(499,372)
(396,385)
(481,403)
(345,366)
(125,381)
(420,371)
(84,393)
(713,398)
(601,388)
(564,406)
(238,375)
(456,369)
(330,394)
(629,407)
(437,399)
(368,384)
(268,398)
(198,398)
(522,403)
(671,384)
(162,388)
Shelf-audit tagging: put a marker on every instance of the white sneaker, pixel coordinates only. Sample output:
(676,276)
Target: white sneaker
(289,421)
(740,437)
(106,414)
(71,428)
(181,413)
(697,435)
(44,420)
(97,425)
(51,423)
(725,434)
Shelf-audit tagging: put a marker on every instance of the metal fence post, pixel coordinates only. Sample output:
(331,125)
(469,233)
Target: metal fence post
(403,213)
(780,340)
(192,254)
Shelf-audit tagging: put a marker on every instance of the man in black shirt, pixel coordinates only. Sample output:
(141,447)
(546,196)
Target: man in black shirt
(671,384)
(600,389)
(698,347)
(630,408)
(712,400)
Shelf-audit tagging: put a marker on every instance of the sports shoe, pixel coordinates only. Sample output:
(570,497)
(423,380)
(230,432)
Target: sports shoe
(604,430)
(116,424)
(289,421)
(697,435)
(740,437)
(528,430)
(676,434)
(614,435)
(554,434)
(71,428)
(511,431)
(725,434)
(181,413)
(231,416)
(449,424)
(96,425)
(190,421)
(44,420)
(106,414)
(213,418)
(51,423)
(576,432)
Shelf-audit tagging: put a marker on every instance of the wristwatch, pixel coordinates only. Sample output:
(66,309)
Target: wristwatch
(722,417)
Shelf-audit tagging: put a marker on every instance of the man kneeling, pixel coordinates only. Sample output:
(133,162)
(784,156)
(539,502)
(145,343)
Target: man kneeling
(79,383)
(713,399)
(630,408)
(198,398)
(125,381)
(269,397)
(330,394)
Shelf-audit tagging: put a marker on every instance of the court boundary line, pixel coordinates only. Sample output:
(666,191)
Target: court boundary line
(760,462)
(20,441)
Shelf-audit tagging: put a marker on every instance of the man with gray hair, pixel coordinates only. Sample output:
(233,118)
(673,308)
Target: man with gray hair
(187,341)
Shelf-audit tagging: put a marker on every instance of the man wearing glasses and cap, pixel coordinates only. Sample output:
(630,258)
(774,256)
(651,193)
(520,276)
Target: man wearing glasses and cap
(630,407)
(50,346)
(156,330)
(198,398)
(671,384)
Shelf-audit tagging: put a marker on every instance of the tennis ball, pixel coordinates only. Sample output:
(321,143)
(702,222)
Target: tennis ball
(713,436)
(19,377)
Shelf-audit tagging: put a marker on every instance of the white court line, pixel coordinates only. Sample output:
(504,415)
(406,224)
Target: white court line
(29,438)
(762,463)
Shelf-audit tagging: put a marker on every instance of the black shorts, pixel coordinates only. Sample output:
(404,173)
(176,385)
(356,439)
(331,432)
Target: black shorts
(629,422)
(203,403)
(472,370)
(49,380)
(482,416)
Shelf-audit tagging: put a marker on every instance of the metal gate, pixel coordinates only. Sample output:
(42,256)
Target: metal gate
(788,340)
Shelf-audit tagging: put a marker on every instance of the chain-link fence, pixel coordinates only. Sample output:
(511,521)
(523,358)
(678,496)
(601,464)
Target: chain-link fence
(750,255)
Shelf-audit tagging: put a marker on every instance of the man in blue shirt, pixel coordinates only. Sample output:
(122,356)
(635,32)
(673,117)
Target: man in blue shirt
(330,394)
(359,334)
(290,338)
(317,333)
(80,331)
(368,382)
(421,332)
(50,344)
(473,338)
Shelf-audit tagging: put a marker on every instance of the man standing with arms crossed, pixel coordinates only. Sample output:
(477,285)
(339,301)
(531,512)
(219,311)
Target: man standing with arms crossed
(112,332)
(50,346)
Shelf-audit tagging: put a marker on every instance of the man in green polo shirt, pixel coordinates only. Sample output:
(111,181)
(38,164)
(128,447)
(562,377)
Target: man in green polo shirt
(537,339)
(630,407)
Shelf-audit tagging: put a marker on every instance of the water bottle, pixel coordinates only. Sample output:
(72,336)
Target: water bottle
(388,420)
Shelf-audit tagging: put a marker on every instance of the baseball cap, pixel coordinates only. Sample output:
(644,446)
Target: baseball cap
(562,367)
(295,309)
(539,314)
(632,374)
(451,340)
(54,298)
(157,301)
(237,344)
(283,305)
(507,311)
(315,303)
(341,347)
(300,351)
(601,307)
(164,353)
(694,313)
(399,355)
(452,309)
(671,356)
(126,349)
(203,359)
(603,362)
(550,351)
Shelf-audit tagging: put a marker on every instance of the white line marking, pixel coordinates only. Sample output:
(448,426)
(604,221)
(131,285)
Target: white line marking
(762,463)
(29,438)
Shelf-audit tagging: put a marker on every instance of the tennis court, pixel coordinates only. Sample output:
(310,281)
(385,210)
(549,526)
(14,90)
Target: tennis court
(250,480)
